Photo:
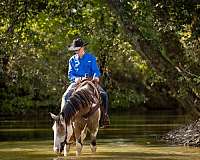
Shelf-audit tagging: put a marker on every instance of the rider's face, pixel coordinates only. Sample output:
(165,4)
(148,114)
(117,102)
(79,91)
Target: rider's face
(80,52)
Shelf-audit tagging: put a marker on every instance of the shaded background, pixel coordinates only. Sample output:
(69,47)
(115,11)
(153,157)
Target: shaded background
(148,53)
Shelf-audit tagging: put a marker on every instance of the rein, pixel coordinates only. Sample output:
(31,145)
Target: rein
(65,140)
(91,112)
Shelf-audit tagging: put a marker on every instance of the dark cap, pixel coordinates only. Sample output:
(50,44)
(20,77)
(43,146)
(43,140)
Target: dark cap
(77,44)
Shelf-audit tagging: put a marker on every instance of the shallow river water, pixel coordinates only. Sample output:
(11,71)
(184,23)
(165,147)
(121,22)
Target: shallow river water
(129,137)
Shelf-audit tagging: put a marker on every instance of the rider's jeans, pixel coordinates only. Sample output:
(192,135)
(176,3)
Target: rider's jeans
(67,94)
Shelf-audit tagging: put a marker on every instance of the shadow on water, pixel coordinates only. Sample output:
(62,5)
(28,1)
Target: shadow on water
(129,137)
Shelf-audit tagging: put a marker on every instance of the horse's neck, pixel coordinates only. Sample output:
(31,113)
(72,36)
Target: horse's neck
(90,85)
(81,100)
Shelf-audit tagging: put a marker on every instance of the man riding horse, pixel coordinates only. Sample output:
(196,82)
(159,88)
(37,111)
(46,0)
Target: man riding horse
(83,65)
(80,114)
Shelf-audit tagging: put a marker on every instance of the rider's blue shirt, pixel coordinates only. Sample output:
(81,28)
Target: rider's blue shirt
(83,67)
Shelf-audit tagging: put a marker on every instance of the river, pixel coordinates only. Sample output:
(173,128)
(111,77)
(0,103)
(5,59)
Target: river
(130,136)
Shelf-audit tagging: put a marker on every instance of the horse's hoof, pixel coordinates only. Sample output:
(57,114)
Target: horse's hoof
(66,150)
(78,154)
(65,154)
(78,149)
(93,148)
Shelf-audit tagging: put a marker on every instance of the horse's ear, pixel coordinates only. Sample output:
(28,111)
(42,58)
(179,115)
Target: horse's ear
(53,116)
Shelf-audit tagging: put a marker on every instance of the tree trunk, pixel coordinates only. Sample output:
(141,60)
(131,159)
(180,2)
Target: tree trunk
(165,61)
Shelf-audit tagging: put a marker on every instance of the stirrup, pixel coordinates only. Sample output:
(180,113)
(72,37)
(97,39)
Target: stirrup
(105,122)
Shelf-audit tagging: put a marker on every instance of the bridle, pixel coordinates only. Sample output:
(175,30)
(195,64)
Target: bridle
(62,144)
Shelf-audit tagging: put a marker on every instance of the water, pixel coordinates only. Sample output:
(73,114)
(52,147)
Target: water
(130,137)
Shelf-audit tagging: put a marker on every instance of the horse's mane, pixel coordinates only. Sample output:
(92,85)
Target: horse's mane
(82,97)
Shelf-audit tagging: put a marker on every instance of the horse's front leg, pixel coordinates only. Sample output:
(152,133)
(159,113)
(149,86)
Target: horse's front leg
(79,146)
(79,140)
(66,149)
(69,136)
(94,128)
(93,140)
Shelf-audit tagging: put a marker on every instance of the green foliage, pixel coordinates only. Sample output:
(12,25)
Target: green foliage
(34,57)
(126,98)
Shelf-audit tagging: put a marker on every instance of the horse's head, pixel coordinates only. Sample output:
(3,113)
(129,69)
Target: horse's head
(59,129)
(62,132)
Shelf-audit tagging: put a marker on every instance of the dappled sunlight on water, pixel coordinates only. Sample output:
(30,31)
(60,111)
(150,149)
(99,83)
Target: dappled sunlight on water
(106,150)
(129,137)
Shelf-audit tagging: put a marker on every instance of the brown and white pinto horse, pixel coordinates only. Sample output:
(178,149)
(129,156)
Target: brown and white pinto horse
(80,114)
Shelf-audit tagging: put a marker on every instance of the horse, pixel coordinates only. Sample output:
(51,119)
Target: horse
(80,114)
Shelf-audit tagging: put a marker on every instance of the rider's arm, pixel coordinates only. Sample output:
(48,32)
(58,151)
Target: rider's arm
(95,70)
(71,71)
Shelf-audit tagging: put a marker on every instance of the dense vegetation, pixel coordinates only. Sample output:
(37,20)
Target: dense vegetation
(148,52)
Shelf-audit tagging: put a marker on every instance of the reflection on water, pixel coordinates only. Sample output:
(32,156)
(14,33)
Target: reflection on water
(129,137)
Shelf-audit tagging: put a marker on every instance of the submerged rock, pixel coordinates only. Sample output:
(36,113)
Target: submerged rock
(188,135)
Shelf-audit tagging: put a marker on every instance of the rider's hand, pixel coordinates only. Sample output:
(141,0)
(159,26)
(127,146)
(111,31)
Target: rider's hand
(96,79)
(84,78)
(78,80)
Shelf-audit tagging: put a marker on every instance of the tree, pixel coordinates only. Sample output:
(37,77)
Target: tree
(163,50)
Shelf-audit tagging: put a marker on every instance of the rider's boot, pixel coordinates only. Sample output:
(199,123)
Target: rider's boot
(106,121)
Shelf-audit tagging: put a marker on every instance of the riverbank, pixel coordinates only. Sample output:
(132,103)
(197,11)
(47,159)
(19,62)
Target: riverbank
(187,135)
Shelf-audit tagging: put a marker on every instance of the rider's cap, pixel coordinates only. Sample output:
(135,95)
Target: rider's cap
(77,44)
